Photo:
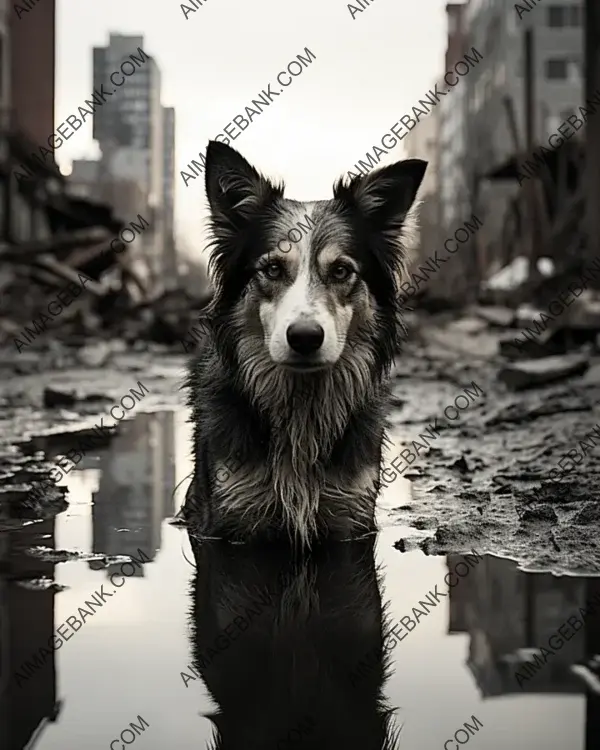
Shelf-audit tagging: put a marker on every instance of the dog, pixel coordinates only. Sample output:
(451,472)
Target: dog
(289,387)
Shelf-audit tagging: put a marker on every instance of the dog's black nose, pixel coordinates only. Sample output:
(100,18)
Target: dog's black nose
(305,338)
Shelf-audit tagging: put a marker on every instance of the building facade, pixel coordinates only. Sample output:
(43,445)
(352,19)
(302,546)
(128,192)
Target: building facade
(170,252)
(422,142)
(497,30)
(129,131)
(30,74)
(452,179)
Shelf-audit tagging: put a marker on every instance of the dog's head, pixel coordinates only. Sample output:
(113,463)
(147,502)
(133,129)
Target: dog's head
(309,283)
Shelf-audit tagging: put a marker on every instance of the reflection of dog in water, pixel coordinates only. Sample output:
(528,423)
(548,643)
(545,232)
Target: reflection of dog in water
(290,386)
(291,651)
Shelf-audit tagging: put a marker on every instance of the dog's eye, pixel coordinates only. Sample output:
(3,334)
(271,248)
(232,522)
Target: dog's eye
(341,272)
(273,270)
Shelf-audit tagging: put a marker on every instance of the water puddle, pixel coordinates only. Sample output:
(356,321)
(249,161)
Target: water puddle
(119,631)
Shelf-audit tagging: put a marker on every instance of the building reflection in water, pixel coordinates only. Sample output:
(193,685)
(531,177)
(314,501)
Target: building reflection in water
(26,622)
(509,615)
(135,492)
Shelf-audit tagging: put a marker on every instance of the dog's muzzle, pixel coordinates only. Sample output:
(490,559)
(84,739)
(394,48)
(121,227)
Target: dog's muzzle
(305,338)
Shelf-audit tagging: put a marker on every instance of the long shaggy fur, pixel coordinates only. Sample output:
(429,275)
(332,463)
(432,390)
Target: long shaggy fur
(280,451)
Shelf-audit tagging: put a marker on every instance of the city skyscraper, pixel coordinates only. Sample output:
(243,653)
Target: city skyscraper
(170,253)
(129,128)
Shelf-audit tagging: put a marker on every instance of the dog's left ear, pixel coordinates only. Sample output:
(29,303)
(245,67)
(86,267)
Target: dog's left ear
(385,195)
(235,190)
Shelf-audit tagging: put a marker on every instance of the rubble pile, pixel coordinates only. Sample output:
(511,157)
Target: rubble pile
(75,285)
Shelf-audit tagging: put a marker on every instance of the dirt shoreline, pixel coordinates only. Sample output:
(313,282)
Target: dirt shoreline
(483,483)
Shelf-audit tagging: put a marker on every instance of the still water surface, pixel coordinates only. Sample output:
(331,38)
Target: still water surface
(272,654)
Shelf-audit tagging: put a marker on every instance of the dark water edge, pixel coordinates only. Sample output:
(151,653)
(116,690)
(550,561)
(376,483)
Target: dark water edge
(325,653)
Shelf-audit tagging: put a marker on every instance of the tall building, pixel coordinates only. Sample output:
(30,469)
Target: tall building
(129,130)
(28,694)
(27,49)
(30,73)
(422,142)
(452,146)
(170,253)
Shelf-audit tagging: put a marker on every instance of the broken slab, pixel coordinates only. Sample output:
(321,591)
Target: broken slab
(583,314)
(517,347)
(534,373)
(496,316)
(55,399)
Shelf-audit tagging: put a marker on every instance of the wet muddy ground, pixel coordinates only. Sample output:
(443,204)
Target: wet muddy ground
(448,615)
(478,457)
(487,478)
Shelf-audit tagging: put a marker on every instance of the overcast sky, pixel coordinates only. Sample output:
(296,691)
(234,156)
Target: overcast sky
(367,74)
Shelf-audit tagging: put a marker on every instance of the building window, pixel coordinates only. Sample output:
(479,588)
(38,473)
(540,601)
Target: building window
(560,16)
(556,16)
(556,69)
(575,15)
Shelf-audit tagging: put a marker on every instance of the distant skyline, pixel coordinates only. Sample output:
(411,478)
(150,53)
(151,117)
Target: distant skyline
(369,69)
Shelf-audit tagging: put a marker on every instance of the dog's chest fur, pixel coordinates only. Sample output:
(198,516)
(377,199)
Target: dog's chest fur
(309,497)
(301,467)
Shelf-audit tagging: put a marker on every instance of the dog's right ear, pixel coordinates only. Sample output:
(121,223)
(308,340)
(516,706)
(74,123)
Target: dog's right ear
(235,190)
(385,196)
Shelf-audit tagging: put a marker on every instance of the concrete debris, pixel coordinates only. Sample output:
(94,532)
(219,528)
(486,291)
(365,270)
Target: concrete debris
(539,372)
(496,316)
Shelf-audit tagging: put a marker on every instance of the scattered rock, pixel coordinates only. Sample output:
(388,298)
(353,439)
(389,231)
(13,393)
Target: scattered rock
(540,513)
(584,314)
(461,465)
(534,373)
(475,496)
(496,316)
(514,347)
(455,535)
(422,522)
(94,397)
(415,474)
(469,325)
(40,584)
(96,354)
(54,555)
(54,399)
(590,513)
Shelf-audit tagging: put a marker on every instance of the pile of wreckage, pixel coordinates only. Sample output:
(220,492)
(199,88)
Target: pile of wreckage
(62,273)
(547,326)
(553,324)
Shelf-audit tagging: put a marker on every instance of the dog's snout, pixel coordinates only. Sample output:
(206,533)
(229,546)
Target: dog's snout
(305,337)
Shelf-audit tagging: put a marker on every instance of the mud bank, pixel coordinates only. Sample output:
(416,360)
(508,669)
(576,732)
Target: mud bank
(516,474)
(496,473)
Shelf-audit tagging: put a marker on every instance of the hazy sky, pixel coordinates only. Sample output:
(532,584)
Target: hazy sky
(367,74)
